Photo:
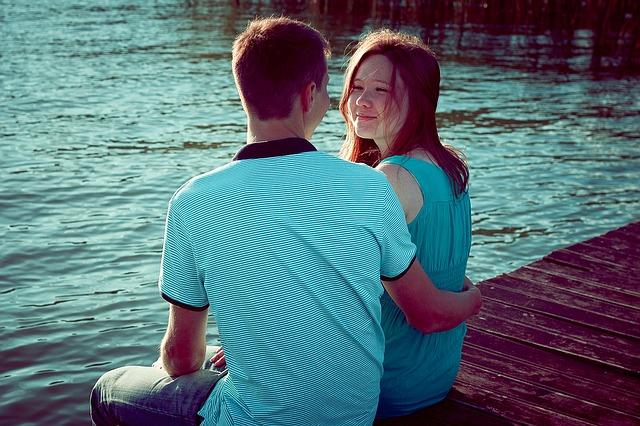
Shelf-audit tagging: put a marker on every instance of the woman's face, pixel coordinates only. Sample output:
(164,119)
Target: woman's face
(373,109)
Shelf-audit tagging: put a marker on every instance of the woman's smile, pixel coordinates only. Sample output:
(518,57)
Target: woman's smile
(365,117)
(376,103)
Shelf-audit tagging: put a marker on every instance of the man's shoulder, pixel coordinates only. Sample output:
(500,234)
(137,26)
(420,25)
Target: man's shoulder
(204,182)
(357,170)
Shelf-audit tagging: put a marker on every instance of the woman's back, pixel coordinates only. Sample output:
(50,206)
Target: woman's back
(419,369)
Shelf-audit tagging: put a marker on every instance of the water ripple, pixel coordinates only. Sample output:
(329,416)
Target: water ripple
(110,107)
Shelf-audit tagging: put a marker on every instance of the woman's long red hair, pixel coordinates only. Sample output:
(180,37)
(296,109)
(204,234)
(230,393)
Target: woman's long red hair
(418,68)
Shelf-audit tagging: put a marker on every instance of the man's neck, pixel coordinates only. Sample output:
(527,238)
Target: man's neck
(268,130)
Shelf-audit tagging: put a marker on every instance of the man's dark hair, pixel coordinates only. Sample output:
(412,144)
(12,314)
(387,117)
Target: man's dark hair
(273,59)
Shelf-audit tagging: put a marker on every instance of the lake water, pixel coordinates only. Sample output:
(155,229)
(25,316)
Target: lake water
(107,107)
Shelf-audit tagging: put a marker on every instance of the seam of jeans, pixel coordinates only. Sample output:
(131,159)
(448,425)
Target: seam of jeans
(151,410)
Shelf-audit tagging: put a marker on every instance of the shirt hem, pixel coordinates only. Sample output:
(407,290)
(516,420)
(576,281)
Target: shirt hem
(184,305)
(401,274)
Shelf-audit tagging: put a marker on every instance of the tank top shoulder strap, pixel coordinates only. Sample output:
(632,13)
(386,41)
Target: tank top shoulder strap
(429,176)
(402,161)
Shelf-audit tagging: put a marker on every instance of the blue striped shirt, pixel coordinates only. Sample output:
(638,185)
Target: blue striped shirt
(287,246)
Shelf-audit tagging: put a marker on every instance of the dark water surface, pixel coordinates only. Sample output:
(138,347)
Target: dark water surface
(107,107)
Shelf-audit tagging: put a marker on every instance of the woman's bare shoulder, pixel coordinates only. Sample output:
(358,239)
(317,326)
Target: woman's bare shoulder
(406,188)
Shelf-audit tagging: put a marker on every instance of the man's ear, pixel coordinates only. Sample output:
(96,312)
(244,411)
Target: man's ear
(307,96)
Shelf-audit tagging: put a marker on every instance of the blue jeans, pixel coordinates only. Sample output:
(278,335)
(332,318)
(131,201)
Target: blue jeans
(149,396)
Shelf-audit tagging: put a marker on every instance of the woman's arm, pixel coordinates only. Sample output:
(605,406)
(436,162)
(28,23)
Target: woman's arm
(426,308)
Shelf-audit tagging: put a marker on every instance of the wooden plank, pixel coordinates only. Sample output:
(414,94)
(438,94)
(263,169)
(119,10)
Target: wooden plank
(623,258)
(494,291)
(627,283)
(614,241)
(507,406)
(614,398)
(597,341)
(571,285)
(448,413)
(630,232)
(563,405)
(563,344)
(622,247)
(603,377)
(587,262)
(567,296)
(617,240)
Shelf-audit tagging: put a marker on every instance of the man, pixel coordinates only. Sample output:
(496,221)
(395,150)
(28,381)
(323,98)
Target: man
(287,245)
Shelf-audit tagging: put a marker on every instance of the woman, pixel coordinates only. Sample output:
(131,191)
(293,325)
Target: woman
(389,103)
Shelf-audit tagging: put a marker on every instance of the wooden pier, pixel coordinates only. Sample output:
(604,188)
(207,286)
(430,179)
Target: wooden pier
(557,342)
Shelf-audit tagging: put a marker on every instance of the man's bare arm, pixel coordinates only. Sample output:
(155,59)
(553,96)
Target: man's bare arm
(427,308)
(184,346)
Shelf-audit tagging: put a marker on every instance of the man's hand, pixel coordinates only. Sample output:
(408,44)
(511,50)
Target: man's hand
(475,292)
(427,308)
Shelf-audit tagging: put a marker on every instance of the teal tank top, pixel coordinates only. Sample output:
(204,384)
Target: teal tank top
(419,369)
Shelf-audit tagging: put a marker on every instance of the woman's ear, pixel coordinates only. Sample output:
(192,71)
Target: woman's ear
(307,96)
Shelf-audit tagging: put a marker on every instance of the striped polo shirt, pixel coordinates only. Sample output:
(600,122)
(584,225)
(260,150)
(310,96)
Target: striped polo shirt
(287,246)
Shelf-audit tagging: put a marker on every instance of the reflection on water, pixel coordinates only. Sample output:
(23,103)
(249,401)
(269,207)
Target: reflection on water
(108,108)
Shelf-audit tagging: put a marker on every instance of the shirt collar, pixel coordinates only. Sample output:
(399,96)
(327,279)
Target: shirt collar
(274,148)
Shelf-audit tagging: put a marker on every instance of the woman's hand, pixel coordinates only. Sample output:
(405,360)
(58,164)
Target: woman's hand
(158,364)
(218,360)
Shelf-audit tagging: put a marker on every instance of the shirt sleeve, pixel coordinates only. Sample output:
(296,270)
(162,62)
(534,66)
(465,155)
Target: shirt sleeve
(179,281)
(397,250)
